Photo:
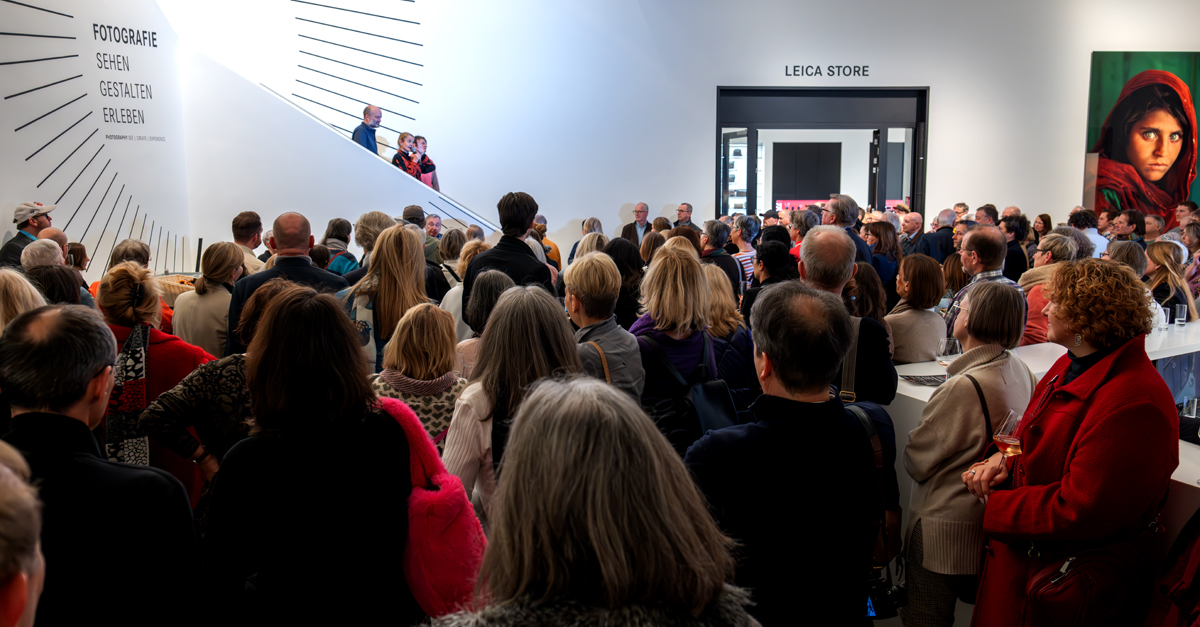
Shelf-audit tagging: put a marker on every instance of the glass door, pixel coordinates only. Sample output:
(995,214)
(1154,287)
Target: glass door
(733,172)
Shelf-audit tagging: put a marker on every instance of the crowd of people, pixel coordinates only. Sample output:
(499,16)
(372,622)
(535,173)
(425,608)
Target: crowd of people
(607,434)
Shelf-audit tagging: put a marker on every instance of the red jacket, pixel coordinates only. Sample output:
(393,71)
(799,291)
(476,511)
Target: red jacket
(169,361)
(1098,457)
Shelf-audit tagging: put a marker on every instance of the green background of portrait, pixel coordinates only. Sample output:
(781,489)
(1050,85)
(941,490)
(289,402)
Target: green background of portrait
(1110,72)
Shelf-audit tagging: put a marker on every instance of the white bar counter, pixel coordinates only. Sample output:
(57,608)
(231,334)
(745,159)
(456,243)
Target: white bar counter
(911,398)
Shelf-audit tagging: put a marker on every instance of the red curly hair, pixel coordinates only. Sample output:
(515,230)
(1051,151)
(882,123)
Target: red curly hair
(1101,300)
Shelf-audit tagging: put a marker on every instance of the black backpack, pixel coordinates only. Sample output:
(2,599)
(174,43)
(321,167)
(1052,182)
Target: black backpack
(704,406)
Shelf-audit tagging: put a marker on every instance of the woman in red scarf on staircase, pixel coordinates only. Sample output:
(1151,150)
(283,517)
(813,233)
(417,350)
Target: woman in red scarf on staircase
(1147,147)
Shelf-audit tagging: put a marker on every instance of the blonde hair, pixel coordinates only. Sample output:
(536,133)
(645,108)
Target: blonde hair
(596,507)
(422,347)
(680,243)
(469,250)
(219,262)
(17,295)
(725,315)
(129,295)
(596,282)
(395,279)
(592,225)
(591,243)
(674,291)
(1170,271)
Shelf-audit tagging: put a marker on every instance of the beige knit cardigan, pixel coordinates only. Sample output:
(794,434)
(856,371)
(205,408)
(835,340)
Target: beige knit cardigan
(951,437)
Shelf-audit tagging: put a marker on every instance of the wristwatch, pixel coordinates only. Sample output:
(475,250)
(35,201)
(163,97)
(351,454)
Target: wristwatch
(203,457)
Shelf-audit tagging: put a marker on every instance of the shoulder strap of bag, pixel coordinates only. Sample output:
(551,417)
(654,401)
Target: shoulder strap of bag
(603,362)
(850,363)
(987,417)
(877,452)
(336,255)
(452,272)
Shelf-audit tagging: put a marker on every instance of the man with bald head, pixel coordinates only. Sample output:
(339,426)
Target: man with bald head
(910,232)
(291,239)
(640,225)
(827,264)
(58,237)
(1011,210)
(364,134)
(940,243)
(982,253)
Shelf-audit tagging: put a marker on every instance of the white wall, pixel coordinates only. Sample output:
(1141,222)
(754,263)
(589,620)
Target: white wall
(248,150)
(592,106)
(59,148)
(856,156)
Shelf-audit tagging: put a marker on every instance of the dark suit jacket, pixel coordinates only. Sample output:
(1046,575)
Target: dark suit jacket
(295,269)
(118,539)
(862,249)
(766,448)
(691,224)
(10,253)
(939,244)
(630,232)
(512,257)
(354,276)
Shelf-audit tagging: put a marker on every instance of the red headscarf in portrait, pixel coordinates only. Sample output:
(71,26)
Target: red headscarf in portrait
(1122,179)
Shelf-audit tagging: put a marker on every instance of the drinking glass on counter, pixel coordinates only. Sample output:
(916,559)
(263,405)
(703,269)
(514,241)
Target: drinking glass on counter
(1181,315)
(948,350)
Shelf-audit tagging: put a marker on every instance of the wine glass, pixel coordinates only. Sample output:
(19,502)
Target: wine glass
(948,350)
(1006,436)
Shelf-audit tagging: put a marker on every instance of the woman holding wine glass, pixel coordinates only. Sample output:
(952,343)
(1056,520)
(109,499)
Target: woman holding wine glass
(1100,439)
(945,528)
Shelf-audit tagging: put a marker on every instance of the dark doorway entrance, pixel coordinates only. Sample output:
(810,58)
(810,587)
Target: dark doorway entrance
(881,135)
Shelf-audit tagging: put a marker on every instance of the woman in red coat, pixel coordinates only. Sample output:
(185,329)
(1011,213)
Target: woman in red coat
(1100,439)
(149,363)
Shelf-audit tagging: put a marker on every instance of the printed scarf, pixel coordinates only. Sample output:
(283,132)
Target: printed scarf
(124,440)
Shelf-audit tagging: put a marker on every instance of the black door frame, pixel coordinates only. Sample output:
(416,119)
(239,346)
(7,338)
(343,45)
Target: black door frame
(872,102)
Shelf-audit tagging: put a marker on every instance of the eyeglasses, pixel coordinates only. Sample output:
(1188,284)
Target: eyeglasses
(1104,254)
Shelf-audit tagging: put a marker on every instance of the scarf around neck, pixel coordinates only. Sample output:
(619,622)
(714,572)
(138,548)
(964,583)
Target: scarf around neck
(418,387)
(123,439)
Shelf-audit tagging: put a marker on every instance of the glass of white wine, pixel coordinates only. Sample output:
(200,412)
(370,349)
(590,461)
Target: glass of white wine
(947,351)
(1006,436)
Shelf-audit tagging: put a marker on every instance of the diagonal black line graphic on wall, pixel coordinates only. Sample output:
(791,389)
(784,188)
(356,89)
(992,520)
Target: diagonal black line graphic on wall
(69,56)
(46,114)
(355,99)
(110,215)
(342,112)
(89,191)
(68,157)
(143,233)
(360,32)
(27,91)
(159,249)
(108,262)
(361,50)
(326,6)
(341,129)
(360,67)
(357,83)
(60,196)
(134,223)
(101,203)
(30,6)
(57,136)
(117,232)
(38,36)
